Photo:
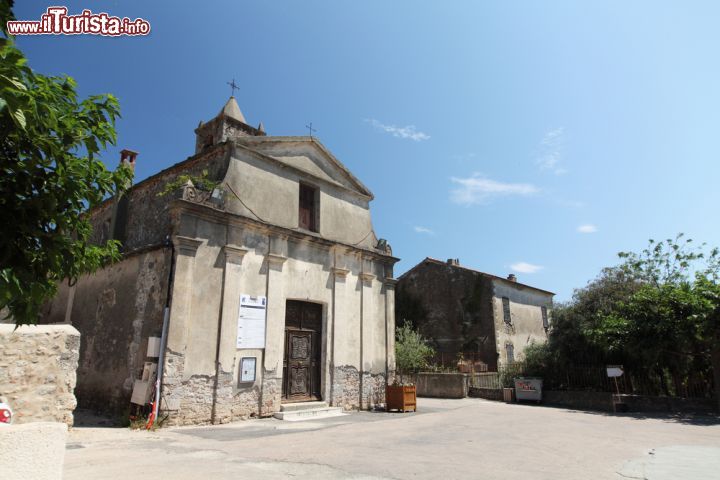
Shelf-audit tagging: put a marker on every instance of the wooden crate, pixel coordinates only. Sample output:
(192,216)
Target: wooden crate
(401,397)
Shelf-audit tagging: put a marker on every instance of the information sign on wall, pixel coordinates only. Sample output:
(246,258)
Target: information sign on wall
(251,322)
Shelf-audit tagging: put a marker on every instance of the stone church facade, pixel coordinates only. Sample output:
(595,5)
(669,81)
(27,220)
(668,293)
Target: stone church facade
(286,227)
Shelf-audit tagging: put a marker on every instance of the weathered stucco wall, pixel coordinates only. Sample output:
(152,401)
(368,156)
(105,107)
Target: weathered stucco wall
(220,258)
(344,213)
(441,385)
(460,310)
(526,326)
(452,307)
(116,310)
(37,371)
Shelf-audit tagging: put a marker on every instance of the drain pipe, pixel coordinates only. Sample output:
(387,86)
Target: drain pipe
(213,410)
(163,336)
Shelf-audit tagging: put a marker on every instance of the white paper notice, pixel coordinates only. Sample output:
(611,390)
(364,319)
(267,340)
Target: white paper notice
(251,322)
(247,369)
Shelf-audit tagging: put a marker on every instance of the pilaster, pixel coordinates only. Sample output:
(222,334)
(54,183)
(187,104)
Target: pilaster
(230,303)
(389,290)
(275,326)
(185,248)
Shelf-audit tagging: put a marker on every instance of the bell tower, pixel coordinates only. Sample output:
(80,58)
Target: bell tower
(229,124)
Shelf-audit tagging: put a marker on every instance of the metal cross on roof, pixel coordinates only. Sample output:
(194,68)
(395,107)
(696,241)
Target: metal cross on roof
(233,86)
(310,129)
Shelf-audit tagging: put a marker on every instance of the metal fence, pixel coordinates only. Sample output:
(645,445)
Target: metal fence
(594,378)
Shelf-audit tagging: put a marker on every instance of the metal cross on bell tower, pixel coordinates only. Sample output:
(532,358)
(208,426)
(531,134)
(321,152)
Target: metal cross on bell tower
(310,129)
(233,87)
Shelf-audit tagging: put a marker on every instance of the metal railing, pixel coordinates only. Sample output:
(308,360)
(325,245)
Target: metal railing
(594,378)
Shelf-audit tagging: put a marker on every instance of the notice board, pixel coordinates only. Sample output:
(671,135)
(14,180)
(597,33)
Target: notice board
(251,322)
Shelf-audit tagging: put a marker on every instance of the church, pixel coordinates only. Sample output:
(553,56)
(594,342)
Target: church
(251,278)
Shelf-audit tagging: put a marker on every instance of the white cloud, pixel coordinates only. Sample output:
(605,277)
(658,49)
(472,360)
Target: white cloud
(419,229)
(524,267)
(551,151)
(478,189)
(408,131)
(587,228)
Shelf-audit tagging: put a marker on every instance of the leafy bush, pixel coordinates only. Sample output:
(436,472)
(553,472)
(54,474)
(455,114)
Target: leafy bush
(412,351)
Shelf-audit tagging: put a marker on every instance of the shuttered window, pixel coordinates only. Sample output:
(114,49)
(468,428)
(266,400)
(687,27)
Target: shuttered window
(506,310)
(510,352)
(308,208)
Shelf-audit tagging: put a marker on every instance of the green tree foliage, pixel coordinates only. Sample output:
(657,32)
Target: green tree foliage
(669,326)
(569,342)
(412,352)
(50,174)
(672,261)
(657,313)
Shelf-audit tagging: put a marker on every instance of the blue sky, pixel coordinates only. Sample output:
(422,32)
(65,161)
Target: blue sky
(535,137)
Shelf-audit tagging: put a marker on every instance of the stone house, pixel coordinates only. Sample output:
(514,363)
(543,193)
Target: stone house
(461,310)
(270,286)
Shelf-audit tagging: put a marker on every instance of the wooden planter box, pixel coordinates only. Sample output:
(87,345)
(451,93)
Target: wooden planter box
(401,397)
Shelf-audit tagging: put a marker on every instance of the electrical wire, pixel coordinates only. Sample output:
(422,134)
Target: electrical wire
(266,222)
(244,205)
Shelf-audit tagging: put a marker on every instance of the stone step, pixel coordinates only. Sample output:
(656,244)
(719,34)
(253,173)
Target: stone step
(308,414)
(291,407)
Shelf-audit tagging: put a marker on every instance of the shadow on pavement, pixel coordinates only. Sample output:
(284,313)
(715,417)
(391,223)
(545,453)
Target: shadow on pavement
(683,418)
(89,419)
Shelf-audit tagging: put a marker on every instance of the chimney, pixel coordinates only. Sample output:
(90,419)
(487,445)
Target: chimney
(512,277)
(455,262)
(127,157)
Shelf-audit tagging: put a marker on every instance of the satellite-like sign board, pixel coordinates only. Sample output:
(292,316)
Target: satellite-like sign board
(614,371)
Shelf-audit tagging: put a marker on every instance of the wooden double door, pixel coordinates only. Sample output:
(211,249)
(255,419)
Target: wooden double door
(303,350)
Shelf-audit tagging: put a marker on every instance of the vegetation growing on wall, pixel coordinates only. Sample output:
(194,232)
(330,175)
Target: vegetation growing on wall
(201,182)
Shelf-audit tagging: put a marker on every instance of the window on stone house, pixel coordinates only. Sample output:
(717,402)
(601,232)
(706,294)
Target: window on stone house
(510,352)
(506,310)
(307,214)
(545,321)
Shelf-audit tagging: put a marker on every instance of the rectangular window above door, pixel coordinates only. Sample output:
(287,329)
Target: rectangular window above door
(308,208)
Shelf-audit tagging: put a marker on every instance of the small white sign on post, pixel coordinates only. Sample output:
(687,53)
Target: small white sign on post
(615,371)
(251,322)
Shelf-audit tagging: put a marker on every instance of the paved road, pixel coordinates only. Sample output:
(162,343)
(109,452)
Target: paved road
(447,439)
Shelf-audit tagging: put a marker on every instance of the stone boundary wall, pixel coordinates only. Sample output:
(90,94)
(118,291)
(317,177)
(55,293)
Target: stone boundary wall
(38,365)
(486,393)
(580,400)
(640,403)
(602,401)
(439,385)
